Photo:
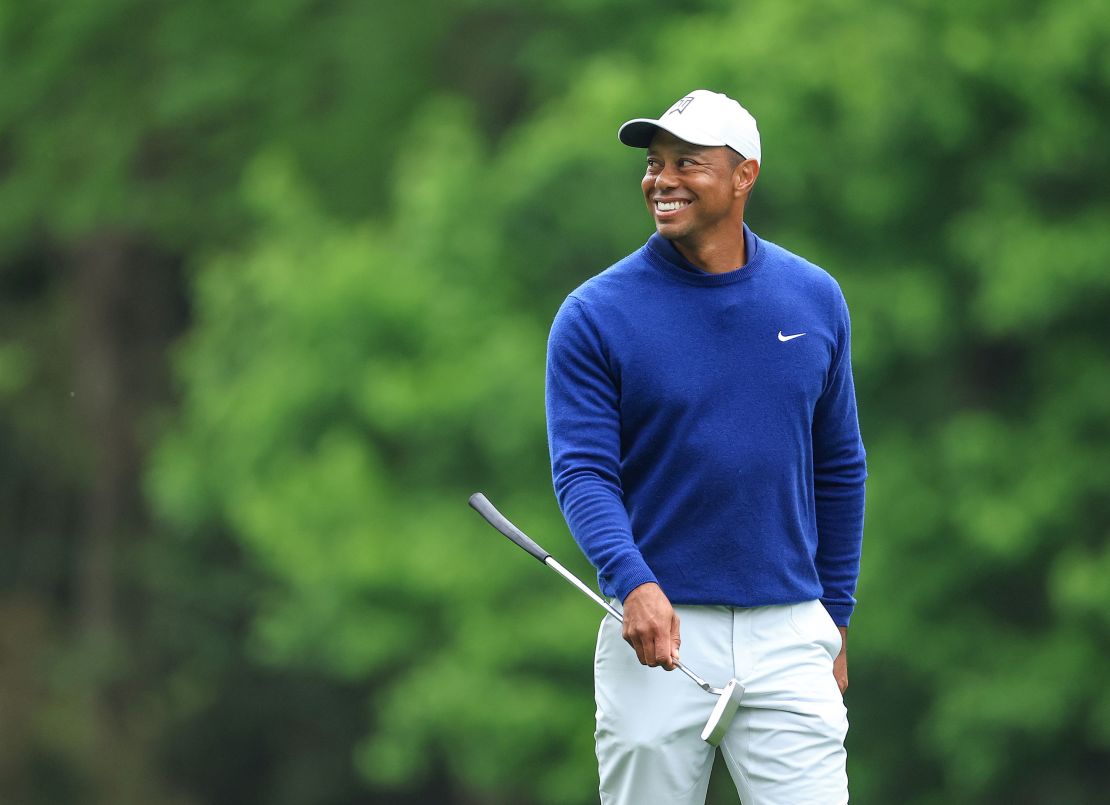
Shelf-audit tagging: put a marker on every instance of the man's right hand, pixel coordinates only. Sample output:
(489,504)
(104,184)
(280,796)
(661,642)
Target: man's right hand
(651,626)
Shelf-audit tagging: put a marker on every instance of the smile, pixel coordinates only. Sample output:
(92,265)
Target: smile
(670,206)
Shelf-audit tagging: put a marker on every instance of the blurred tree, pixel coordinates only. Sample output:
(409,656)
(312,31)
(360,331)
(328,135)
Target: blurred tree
(359,385)
(124,128)
(347,384)
(945,174)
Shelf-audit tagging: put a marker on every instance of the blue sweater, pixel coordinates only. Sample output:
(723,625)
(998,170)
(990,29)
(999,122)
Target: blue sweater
(703,429)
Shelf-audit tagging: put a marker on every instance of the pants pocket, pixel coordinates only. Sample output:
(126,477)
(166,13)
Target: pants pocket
(812,623)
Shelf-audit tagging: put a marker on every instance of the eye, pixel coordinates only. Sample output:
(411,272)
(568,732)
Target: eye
(686,162)
(653,164)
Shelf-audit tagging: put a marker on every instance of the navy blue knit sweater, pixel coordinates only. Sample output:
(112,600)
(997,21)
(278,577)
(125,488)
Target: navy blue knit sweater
(703,429)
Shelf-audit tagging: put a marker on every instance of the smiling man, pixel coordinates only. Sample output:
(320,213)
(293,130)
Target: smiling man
(707,457)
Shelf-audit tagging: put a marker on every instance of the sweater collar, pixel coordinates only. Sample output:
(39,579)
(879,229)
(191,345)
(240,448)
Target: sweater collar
(671,260)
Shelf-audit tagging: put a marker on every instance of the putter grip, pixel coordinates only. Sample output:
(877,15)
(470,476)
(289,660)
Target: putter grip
(480,503)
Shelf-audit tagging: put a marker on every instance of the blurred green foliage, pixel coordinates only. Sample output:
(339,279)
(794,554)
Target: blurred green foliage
(378,211)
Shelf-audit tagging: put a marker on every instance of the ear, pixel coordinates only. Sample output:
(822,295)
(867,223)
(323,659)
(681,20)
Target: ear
(744,176)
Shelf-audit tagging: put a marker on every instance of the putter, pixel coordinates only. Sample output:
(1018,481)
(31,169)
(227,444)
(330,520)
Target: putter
(729,696)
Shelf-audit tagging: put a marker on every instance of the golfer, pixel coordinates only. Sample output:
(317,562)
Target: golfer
(706,454)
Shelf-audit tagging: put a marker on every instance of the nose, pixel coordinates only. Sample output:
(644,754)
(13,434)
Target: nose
(665,178)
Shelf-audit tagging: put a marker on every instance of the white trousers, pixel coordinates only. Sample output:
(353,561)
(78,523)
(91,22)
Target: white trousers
(786,744)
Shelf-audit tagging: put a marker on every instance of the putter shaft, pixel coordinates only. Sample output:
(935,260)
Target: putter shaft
(480,503)
(729,696)
(553,563)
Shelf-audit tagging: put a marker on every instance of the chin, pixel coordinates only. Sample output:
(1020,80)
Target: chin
(670,231)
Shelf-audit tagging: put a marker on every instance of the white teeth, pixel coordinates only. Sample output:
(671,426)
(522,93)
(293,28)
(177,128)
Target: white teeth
(669,206)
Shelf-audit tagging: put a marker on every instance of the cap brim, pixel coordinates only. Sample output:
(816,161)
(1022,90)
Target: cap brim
(639,132)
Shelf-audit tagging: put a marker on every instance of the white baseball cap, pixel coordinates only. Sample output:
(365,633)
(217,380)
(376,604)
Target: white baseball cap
(702,118)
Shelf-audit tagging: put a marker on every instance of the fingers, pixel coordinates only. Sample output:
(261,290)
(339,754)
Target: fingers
(675,642)
(840,671)
(640,636)
(651,627)
(653,648)
(665,656)
(644,645)
(666,645)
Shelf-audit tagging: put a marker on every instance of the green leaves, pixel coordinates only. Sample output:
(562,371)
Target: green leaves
(348,383)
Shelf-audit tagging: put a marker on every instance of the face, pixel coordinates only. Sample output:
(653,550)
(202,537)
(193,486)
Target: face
(695,192)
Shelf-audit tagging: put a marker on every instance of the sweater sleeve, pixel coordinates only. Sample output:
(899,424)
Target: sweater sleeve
(583,428)
(839,474)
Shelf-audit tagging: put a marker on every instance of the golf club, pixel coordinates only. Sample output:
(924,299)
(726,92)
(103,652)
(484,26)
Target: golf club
(729,696)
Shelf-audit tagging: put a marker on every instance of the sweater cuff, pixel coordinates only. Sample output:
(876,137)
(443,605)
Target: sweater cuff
(630,575)
(840,613)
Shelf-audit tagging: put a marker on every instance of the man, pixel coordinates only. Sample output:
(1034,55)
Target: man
(706,455)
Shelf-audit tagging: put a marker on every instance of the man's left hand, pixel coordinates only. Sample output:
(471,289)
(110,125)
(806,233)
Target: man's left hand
(840,664)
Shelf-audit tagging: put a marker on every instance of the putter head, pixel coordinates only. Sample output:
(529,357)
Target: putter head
(723,712)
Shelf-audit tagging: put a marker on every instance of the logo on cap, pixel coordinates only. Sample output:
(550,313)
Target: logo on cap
(681,105)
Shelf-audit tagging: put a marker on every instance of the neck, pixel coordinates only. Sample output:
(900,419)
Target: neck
(716,255)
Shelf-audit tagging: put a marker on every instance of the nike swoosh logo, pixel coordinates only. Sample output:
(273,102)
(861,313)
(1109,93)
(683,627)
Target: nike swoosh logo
(789,337)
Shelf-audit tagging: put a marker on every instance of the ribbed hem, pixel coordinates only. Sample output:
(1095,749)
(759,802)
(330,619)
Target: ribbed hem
(840,613)
(632,575)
